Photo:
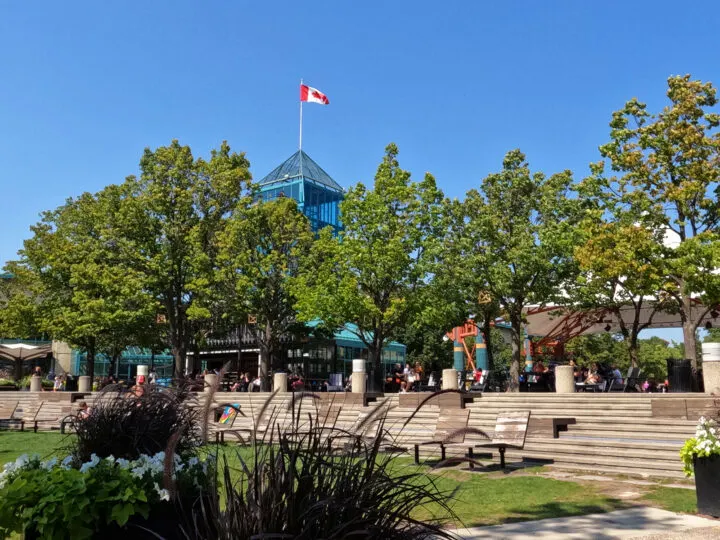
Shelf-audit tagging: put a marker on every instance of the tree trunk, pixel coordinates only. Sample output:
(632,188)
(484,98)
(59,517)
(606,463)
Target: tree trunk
(689,326)
(516,338)
(91,360)
(265,358)
(18,370)
(179,354)
(486,329)
(376,379)
(632,346)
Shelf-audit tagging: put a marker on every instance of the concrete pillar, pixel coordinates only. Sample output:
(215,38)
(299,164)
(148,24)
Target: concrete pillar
(711,367)
(84,384)
(458,351)
(210,381)
(143,370)
(450,379)
(359,377)
(564,380)
(35,384)
(280,382)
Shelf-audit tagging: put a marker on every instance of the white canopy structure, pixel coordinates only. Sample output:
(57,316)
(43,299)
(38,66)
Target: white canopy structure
(563,323)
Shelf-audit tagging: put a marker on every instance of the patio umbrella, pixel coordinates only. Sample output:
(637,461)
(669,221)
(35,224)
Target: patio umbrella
(19,352)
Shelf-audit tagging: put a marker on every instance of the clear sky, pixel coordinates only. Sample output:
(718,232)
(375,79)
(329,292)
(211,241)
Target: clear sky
(85,86)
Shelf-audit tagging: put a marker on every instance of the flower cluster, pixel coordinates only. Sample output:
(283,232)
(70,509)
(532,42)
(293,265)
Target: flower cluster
(147,469)
(704,444)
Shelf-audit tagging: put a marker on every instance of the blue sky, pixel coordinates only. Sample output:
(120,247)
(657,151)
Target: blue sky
(85,86)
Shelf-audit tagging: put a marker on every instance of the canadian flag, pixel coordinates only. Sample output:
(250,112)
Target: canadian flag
(313,95)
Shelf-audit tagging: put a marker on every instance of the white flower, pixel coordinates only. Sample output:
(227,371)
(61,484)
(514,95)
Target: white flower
(94,460)
(164,494)
(49,464)
(193,461)
(122,463)
(67,462)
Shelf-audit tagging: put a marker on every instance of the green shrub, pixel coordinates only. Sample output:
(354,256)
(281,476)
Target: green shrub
(7,382)
(61,500)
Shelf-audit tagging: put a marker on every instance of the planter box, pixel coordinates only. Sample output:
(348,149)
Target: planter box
(9,388)
(707,485)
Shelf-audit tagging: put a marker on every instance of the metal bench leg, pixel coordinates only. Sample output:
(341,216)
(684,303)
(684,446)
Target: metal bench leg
(502,457)
(471,456)
(442,452)
(417,454)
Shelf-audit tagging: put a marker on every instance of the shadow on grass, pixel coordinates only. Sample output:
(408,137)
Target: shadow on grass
(563,509)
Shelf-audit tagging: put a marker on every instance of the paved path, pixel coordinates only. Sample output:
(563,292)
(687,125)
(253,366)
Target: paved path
(641,522)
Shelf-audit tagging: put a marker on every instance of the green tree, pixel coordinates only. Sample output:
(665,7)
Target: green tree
(172,214)
(667,164)
(19,303)
(377,272)
(621,263)
(712,336)
(261,251)
(86,293)
(521,236)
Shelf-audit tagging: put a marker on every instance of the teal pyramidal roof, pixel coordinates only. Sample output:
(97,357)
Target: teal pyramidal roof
(300,165)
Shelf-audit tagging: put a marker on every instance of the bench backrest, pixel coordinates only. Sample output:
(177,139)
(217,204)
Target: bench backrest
(53,411)
(30,411)
(451,425)
(511,428)
(7,409)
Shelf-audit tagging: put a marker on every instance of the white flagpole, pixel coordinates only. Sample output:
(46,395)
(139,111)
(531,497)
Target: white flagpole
(301,118)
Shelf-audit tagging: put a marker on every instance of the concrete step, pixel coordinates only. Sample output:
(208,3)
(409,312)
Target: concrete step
(607,450)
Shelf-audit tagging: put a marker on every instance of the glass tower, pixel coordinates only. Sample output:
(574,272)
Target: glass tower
(317,194)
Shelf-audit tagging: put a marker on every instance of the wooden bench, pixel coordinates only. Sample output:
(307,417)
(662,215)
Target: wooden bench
(510,432)
(449,430)
(51,414)
(548,427)
(7,412)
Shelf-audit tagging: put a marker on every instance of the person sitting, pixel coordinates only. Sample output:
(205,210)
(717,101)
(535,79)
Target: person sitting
(138,389)
(539,367)
(594,375)
(576,371)
(616,375)
(83,410)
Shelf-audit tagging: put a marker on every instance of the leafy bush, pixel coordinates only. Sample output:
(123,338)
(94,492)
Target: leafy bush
(705,444)
(58,500)
(7,382)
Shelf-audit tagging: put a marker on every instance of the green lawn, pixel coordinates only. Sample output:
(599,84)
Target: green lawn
(673,499)
(482,500)
(16,443)
(479,499)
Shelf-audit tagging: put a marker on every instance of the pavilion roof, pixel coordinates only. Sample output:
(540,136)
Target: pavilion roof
(300,165)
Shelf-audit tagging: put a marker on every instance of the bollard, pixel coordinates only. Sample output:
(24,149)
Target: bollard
(564,380)
(210,381)
(84,384)
(359,377)
(143,370)
(280,382)
(35,383)
(449,379)
(711,367)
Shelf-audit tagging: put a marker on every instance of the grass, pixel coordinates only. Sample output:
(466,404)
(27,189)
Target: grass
(482,500)
(15,443)
(479,499)
(673,499)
